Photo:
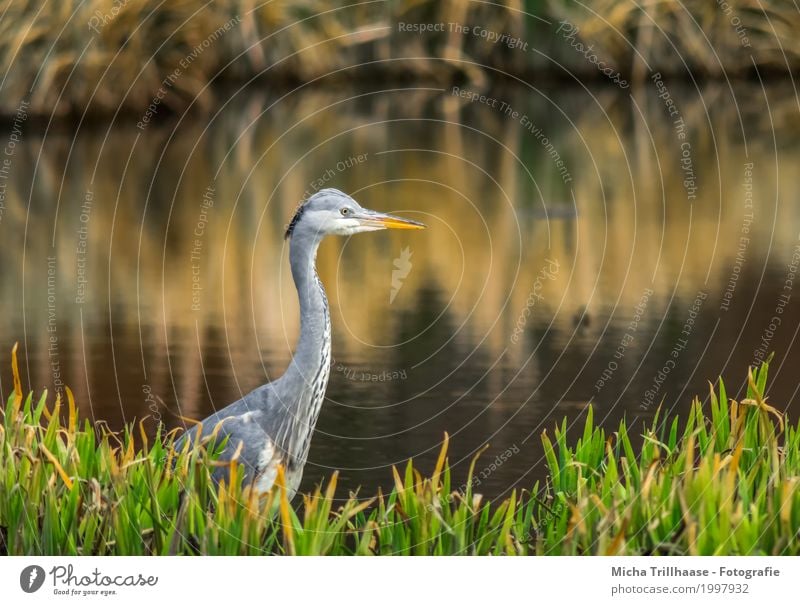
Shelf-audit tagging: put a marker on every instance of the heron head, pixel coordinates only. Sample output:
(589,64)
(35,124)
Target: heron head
(331,212)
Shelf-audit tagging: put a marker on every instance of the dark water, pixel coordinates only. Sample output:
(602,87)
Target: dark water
(574,255)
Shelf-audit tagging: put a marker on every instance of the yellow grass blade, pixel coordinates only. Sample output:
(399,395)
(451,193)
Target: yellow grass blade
(57,464)
(760,401)
(17,382)
(440,462)
(73,415)
(789,486)
(286,519)
(615,547)
(142,432)
(331,489)
(46,412)
(398,482)
(361,506)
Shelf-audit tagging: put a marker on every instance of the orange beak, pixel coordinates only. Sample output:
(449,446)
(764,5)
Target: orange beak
(388,221)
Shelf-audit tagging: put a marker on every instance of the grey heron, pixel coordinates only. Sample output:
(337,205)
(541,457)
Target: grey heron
(273,424)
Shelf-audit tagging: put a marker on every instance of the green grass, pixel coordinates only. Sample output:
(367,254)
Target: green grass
(725,483)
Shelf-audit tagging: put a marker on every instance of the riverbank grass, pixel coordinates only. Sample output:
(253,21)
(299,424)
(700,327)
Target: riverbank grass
(723,481)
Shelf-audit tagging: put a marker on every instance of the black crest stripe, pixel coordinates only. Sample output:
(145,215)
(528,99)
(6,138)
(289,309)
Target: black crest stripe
(294,220)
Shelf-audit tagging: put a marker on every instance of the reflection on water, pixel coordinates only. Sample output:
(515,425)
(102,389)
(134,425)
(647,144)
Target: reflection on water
(147,269)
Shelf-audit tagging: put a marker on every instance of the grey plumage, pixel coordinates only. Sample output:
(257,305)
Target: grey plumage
(274,423)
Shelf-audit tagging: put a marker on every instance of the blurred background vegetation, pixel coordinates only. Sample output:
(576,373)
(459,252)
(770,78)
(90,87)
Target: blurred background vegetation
(105,56)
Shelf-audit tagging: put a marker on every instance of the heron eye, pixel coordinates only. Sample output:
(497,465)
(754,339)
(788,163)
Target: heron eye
(345,211)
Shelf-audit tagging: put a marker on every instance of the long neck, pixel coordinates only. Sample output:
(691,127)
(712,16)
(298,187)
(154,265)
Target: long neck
(315,324)
(302,387)
(307,376)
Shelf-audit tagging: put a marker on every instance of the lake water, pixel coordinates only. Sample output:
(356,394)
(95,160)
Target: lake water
(584,246)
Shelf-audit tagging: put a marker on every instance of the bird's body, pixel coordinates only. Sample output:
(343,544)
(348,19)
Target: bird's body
(273,424)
